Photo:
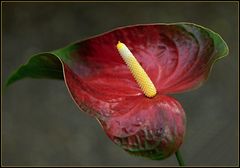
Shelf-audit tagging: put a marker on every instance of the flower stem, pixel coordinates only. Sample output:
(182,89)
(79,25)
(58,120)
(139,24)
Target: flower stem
(179,158)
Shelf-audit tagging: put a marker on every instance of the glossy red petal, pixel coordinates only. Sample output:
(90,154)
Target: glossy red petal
(177,57)
(154,128)
(100,99)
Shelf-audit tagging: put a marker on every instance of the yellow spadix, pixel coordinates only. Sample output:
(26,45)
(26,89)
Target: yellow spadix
(137,71)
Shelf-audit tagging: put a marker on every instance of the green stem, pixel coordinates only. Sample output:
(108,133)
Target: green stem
(179,158)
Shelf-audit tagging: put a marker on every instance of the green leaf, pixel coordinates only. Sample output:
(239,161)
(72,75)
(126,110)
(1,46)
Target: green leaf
(44,65)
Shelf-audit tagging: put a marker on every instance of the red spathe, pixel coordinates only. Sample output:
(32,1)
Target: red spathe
(176,58)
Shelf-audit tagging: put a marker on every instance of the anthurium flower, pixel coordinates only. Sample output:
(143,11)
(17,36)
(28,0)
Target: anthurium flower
(176,57)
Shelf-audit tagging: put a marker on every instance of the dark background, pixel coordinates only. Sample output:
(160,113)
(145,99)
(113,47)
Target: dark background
(43,126)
